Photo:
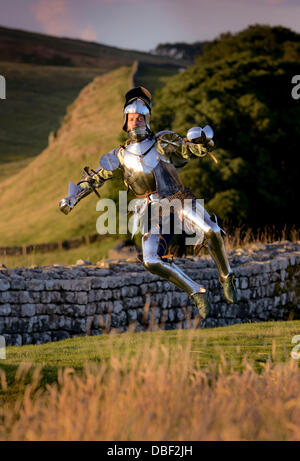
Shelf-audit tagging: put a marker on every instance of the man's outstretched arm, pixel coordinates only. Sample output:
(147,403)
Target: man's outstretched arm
(198,143)
(91,180)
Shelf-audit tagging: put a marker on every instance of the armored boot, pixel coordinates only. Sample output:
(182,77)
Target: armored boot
(202,303)
(229,288)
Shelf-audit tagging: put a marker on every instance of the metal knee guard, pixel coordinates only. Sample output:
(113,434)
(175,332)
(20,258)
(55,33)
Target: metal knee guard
(217,250)
(153,262)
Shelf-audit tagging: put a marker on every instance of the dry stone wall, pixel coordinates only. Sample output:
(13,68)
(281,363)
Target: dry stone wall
(50,303)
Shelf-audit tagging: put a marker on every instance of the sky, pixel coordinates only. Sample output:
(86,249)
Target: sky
(143,24)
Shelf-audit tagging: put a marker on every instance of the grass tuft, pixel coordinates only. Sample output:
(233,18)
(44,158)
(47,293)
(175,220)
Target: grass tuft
(152,388)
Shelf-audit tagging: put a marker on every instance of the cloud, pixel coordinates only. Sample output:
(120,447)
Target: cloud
(54,16)
(88,33)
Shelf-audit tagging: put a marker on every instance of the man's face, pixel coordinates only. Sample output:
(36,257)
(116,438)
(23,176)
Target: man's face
(135,120)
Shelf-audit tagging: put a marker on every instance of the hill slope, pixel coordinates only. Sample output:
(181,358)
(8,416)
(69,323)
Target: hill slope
(31,47)
(37,97)
(44,75)
(29,199)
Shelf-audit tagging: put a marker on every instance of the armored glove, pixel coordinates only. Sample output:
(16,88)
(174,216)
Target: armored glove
(75,194)
(200,142)
(88,183)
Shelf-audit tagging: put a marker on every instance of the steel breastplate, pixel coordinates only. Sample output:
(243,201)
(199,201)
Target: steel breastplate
(167,179)
(138,168)
(149,172)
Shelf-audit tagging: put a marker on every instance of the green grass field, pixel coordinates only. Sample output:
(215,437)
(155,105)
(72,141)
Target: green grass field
(255,344)
(29,202)
(36,102)
(44,75)
(30,197)
(92,252)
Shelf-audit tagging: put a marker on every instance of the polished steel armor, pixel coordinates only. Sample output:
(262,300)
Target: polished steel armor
(139,168)
(149,169)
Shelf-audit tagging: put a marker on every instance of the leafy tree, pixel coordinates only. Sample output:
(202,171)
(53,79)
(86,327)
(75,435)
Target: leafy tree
(241,86)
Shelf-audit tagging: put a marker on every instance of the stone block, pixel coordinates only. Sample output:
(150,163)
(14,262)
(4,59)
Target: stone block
(114,294)
(91,308)
(81,297)
(60,335)
(283,262)
(117,307)
(129,291)
(13,339)
(101,307)
(91,296)
(4,297)
(80,310)
(10,325)
(27,339)
(166,300)
(27,310)
(79,325)
(51,284)
(179,314)
(77,297)
(277,301)
(4,284)
(118,320)
(100,282)
(17,284)
(25,297)
(243,283)
(283,299)
(132,315)
(34,285)
(76,284)
(133,303)
(282,275)
(5,309)
(143,289)
(243,295)
(171,315)
(40,338)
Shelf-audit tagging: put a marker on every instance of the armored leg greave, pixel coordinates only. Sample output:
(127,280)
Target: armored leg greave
(168,270)
(198,220)
(217,251)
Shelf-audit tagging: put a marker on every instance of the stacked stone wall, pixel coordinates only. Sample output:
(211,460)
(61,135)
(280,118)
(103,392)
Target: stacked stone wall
(41,304)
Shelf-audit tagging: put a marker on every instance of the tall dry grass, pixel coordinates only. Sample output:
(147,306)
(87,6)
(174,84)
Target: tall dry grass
(269,234)
(241,238)
(152,395)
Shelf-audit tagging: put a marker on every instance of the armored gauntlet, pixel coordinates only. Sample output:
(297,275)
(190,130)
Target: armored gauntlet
(88,184)
(199,142)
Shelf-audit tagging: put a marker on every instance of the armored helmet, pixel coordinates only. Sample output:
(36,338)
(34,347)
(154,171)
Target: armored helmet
(138,101)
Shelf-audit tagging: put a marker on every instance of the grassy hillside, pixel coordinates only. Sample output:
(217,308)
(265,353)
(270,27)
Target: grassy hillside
(91,252)
(44,74)
(258,341)
(29,199)
(37,97)
(31,47)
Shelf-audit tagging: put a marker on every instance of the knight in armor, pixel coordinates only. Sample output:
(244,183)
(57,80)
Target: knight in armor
(149,164)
